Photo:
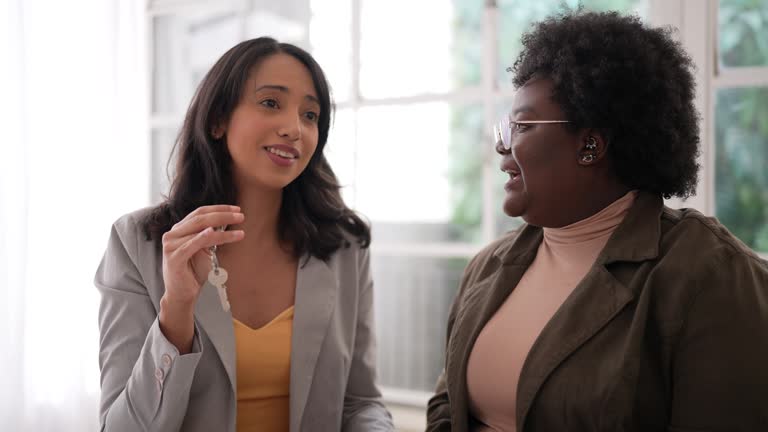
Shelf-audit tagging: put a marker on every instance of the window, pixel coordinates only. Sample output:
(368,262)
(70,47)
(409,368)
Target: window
(726,39)
(186,37)
(420,85)
(740,88)
(417,85)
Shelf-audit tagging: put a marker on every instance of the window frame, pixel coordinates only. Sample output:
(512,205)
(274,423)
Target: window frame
(698,31)
(698,24)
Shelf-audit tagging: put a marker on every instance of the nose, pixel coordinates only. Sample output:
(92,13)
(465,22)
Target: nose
(500,148)
(290,129)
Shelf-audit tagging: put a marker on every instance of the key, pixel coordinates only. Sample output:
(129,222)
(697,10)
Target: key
(217,277)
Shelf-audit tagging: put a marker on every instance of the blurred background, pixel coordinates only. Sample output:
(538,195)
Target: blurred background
(92,94)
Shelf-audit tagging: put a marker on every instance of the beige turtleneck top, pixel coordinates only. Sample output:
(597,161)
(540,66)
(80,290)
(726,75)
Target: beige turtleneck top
(563,259)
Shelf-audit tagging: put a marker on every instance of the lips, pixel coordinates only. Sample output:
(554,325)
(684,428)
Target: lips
(281,155)
(509,167)
(282,150)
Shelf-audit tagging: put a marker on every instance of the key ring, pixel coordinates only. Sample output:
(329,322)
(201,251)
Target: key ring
(212,250)
(218,275)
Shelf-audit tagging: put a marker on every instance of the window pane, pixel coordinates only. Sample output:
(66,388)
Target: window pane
(414,47)
(516,17)
(162,171)
(742,157)
(743,32)
(412,299)
(329,34)
(286,21)
(185,47)
(419,164)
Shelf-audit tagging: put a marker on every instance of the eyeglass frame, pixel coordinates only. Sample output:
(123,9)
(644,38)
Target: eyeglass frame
(498,133)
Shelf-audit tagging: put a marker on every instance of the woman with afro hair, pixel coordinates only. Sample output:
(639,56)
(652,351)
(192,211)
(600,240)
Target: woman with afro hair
(606,310)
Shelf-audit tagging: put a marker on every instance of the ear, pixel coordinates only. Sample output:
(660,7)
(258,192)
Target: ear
(593,147)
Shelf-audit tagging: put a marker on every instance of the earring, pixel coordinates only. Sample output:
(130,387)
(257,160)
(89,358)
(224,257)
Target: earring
(588,158)
(217,133)
(591,143)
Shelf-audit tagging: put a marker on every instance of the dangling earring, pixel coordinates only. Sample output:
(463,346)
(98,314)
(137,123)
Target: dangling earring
(591,143)
(590,147)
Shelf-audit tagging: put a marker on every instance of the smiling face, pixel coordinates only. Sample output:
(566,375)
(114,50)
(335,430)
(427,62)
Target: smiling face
(272,133)
(545,178)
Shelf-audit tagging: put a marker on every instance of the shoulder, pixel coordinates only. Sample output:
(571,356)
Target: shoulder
(129,239)
(702,240)
(351,256)
(130,225)
(701,257)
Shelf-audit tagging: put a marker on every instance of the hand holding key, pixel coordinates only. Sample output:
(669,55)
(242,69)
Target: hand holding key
(185,252)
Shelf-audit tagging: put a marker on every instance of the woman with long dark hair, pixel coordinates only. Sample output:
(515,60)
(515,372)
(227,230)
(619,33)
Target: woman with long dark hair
(243,302)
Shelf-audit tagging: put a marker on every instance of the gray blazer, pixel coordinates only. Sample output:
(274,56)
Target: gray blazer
(147,386)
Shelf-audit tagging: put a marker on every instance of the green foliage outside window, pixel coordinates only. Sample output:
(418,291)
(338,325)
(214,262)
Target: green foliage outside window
(741,158)
(468,122)
(743,32)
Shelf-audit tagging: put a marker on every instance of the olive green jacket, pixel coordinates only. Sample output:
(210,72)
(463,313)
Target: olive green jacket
(668,331)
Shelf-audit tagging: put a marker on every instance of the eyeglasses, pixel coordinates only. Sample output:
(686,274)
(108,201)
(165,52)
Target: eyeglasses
(504,130)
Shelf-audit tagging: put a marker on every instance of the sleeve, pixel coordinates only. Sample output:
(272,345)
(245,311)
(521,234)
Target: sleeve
(439,408)
(439,405)
(720,363)
(363,408)
(145,383)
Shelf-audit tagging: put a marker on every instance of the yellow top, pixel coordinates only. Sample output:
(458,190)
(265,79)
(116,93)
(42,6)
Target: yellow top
(263,374)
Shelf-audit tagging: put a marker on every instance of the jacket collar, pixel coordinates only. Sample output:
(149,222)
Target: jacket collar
(638,236)
(635,239)
(217,324)
(316,291)
(594,302)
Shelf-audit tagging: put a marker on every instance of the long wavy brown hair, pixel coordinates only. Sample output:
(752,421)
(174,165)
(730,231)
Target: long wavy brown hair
(313,216)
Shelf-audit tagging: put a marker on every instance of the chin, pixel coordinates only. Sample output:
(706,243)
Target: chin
(277,182)
(519,208)
(514,205)
(267,181)
(512,211)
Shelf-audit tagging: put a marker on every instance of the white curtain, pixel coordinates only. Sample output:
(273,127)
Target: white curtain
(74,156)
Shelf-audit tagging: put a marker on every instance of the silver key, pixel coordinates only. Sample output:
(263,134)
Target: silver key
(217,277)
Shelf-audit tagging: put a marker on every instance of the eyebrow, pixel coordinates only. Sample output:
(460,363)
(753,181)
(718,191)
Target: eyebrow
(285,89)
(524,108)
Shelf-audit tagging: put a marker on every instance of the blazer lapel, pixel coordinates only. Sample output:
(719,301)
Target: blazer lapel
(481,307)
(316,290)
(481,301)
(217,324)
(595,301)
